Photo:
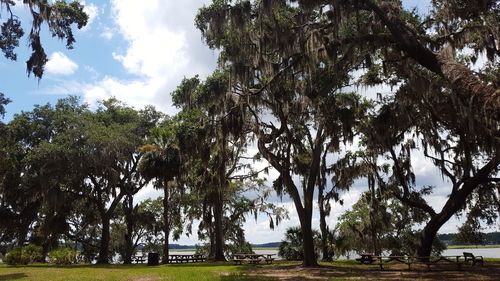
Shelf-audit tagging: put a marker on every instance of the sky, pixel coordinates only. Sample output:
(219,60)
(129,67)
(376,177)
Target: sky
(139,52)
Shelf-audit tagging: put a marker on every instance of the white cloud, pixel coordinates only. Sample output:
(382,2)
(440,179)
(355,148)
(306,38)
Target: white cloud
(60,64)
(92,11)
(162,47)
(137,93)
(107,33)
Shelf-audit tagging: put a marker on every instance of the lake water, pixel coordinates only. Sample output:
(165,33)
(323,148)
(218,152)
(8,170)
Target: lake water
(485,252)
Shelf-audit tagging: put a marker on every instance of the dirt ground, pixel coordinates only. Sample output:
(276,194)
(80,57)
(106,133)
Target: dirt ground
(490,271)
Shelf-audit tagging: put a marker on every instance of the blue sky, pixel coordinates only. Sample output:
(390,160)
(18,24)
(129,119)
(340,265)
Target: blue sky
(139,52)
(136,52)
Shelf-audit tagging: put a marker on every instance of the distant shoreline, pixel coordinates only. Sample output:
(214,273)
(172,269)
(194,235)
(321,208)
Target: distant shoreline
(193,249)
(472,246)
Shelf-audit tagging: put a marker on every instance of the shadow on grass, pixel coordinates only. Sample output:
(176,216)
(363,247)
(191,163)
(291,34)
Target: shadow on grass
(131,266)
(395,272)
(246,278)
(12,276)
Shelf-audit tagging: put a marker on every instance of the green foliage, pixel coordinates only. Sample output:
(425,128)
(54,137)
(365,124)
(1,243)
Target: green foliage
(62,256)
(59,16)
(24,255)
(16,257)
(3,102)
(291,247)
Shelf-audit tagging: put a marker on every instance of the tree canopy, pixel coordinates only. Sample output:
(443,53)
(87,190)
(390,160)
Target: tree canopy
(59,17)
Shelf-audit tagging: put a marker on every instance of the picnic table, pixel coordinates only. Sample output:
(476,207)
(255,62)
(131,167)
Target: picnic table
(253,258)
(139,259)
(409,260)
(186,258)
(366,258)
(471,258)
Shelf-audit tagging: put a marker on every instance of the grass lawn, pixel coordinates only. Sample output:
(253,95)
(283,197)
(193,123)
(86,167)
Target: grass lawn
(201,271)
(338,270)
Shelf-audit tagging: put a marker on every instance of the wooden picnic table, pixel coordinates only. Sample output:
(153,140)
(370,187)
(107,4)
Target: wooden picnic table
(431,260)
(139,259)
(186,258)
(253,258)
(366,258)
(409,260)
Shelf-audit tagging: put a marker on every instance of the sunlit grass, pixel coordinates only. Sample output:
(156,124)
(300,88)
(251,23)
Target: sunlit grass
(201,271)
(227,271)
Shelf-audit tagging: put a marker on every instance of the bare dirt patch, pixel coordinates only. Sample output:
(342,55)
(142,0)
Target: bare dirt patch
(354,272)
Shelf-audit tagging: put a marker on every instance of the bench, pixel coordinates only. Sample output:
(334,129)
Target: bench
(186,258)
(440,260)
(269,260)
(470,258)
(381,261)
(139,259)
(252,258)
(366,259)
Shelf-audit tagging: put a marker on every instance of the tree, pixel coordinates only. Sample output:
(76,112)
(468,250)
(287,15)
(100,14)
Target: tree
(435,119)
(220,147)
(212,139)
(36,178)
(296,104)
(3,102)
(129,229)
(59,17)
(112,137)
(162,161)
(291,246)
(384,41)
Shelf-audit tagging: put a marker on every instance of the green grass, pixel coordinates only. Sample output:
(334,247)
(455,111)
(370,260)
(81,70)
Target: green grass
(472,246)
(226,271)
(205,271)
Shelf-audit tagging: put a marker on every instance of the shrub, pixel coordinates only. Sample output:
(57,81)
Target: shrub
(291,247)
(62,256)
(24,255)
(33,253)
(15,257)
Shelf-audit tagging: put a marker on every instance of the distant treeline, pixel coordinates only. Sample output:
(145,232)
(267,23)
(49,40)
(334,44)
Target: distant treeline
(267,245)
(492,238)
(187,247)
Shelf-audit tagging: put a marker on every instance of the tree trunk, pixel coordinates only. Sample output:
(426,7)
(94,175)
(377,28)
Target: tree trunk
(322,225)
(166,222)
(218,226)
(374,223)
(128,207)
(454,203)
(427,237)
(466,85)
(428,234)
(307,239)
(105,236)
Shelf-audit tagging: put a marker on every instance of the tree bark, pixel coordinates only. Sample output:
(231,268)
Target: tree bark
(323,213)
(304,211)
(218,226)
(305,217)
(129,221)
(323,227)
(105,237)
(460,77)
(166,222)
